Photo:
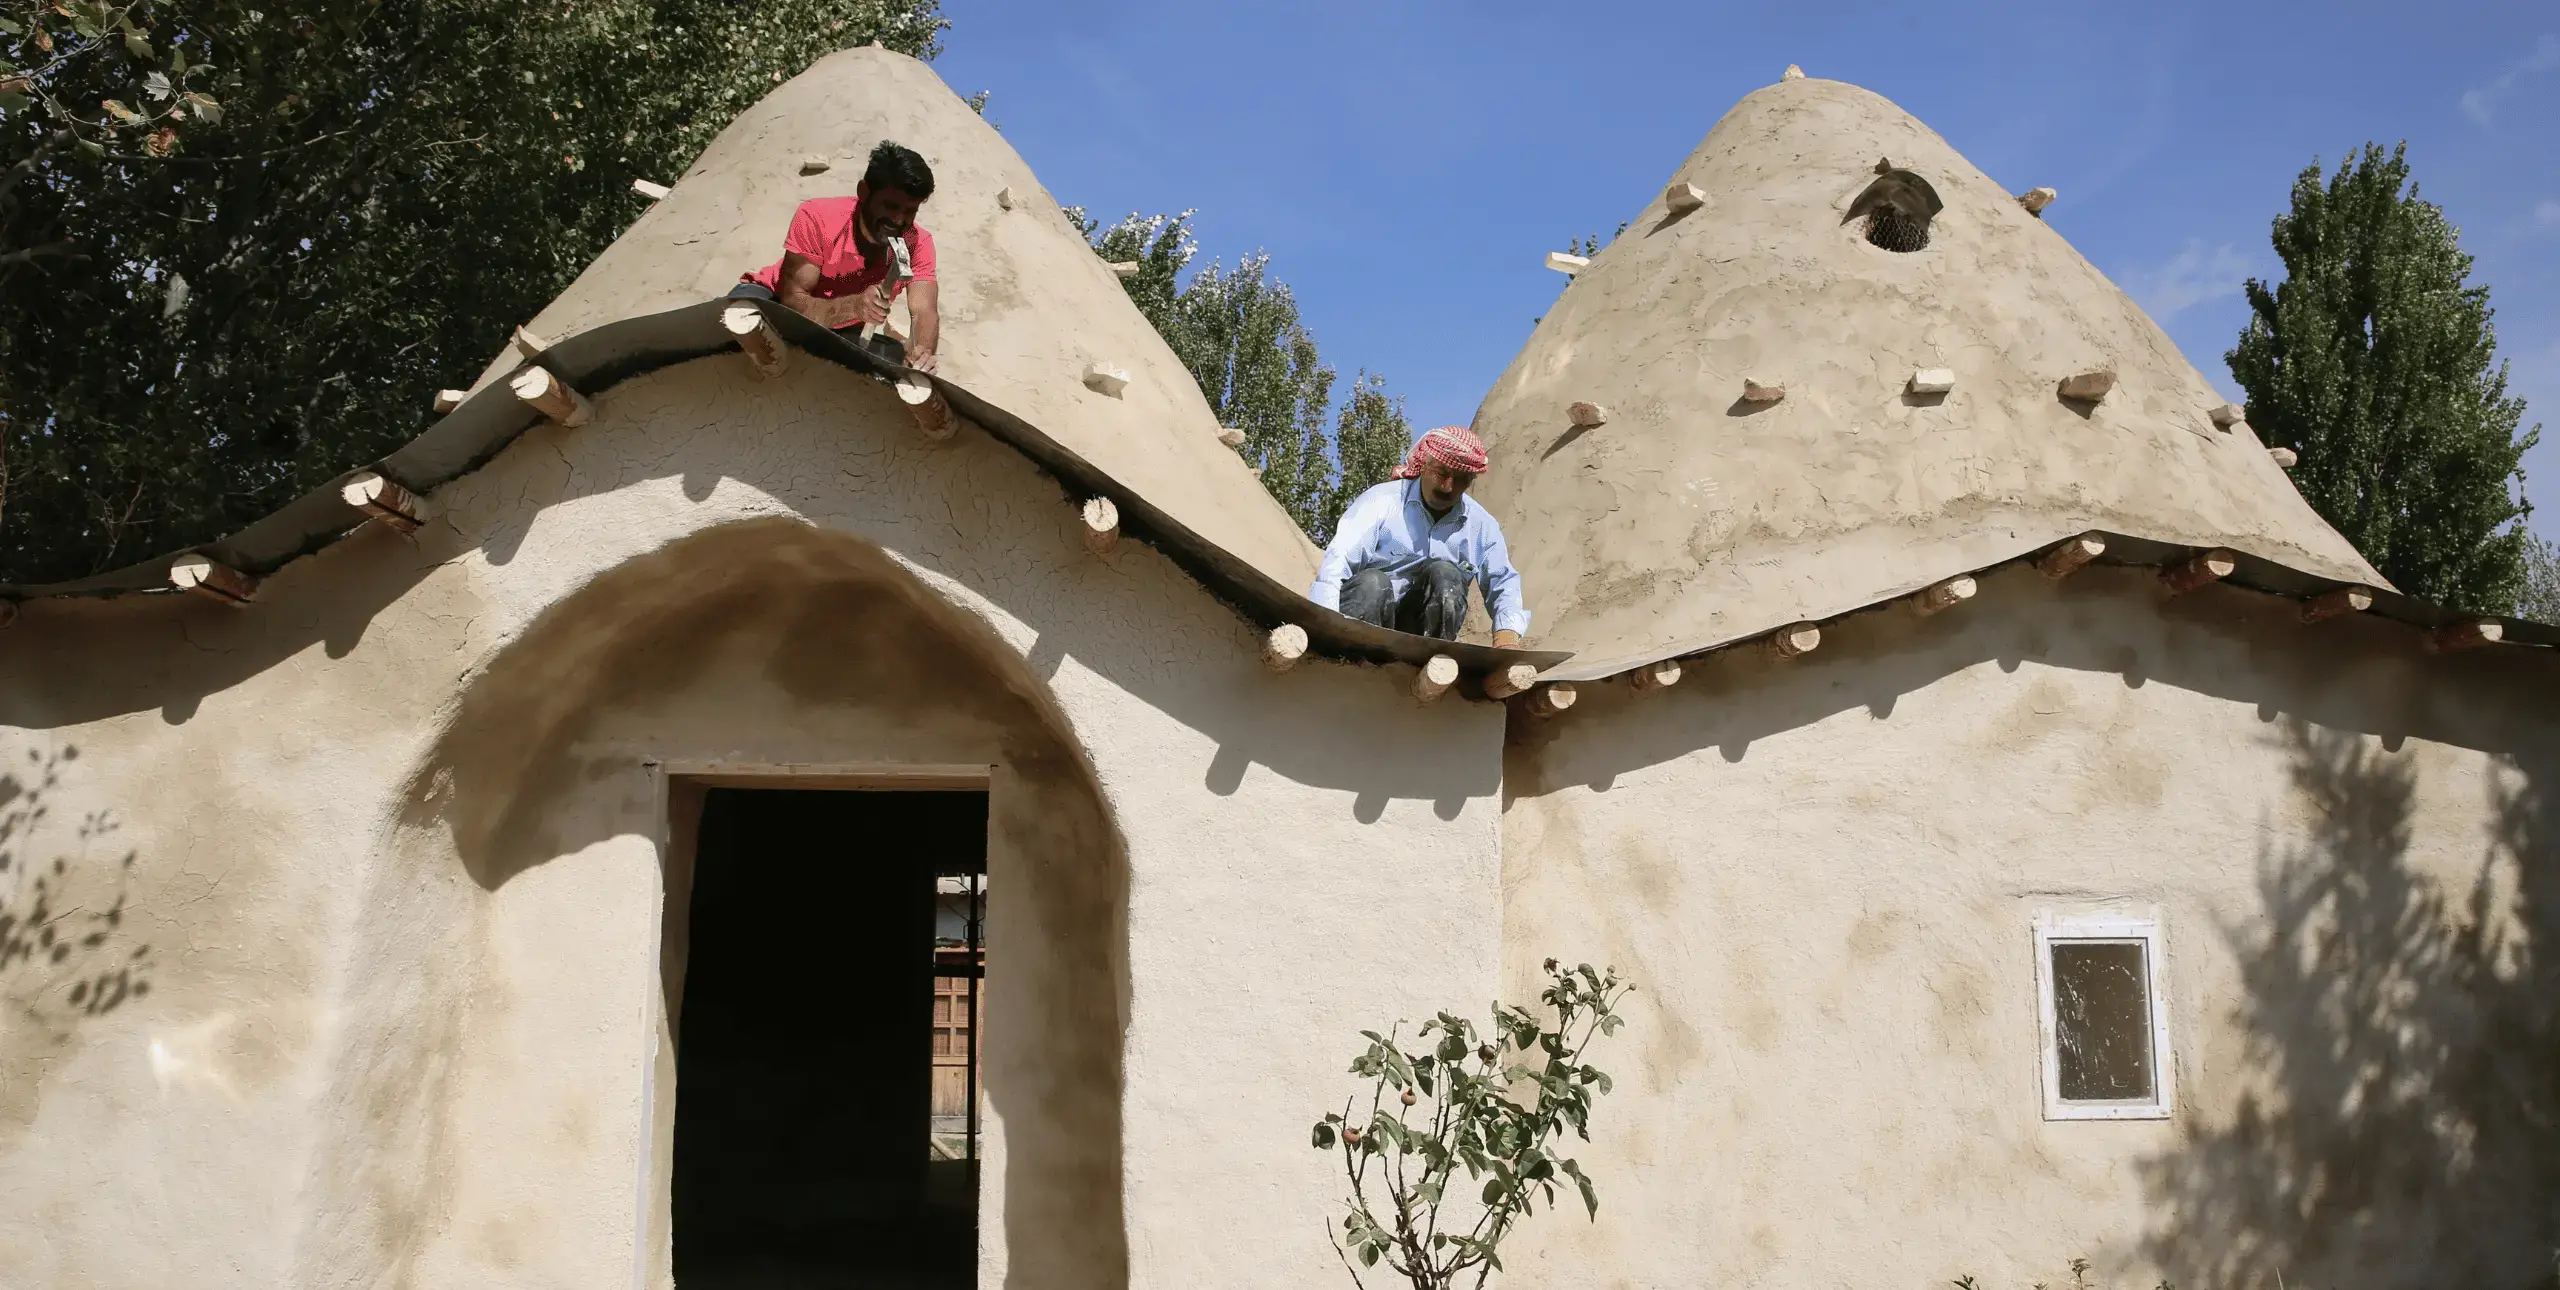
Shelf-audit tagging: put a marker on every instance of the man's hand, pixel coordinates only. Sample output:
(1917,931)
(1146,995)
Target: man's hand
(1506,639)
(921,360)
(873,306)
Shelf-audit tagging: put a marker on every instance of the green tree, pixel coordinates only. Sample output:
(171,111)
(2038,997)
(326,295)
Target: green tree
(1500,1104)
(252,268)
(1238,332)
(2375,361)
(2540,599)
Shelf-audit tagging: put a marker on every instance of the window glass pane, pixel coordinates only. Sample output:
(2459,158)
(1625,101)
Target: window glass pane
(2102,1021)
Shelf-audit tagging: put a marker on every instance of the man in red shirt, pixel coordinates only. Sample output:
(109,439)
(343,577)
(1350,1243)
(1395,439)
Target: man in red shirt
(837,266)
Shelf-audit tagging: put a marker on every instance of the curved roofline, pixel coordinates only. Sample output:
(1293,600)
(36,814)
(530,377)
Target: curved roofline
(593,361)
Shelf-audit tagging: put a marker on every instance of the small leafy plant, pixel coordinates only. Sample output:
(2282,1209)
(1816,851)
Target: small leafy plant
(1498,1102)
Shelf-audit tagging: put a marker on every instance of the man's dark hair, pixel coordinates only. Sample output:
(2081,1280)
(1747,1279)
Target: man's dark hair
(893,166)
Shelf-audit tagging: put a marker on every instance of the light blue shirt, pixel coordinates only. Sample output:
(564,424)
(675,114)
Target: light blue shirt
(1388,528)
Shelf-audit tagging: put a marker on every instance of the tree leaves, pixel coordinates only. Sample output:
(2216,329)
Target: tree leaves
(2374,360)
(1495,1121)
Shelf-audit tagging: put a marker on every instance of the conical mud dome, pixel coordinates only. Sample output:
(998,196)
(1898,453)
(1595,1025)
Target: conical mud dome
(1027,307)
(1833,248)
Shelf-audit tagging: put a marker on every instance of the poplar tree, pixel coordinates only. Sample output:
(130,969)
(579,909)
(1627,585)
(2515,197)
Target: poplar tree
(1238,332)
(243,242)
(2374,360)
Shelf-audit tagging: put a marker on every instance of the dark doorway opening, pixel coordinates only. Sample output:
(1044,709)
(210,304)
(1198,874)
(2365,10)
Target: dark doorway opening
(832,967)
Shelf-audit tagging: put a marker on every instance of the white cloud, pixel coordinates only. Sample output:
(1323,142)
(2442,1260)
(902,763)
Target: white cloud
(2546,215)
(2194,275)
(2481,102)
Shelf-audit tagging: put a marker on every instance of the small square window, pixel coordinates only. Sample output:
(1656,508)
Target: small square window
(2104,1023)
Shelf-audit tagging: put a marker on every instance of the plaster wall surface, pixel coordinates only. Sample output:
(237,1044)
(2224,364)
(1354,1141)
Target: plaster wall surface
(398,1013)
(1693,516)
(1824,875)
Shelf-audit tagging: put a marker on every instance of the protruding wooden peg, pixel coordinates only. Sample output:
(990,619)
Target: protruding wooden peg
(1124,269)
(1568,265)
(2212,566)
(529,344)
(2036,199)
(385,501)
(2337,604)
(2087,387)
(1101,525)
(926,404)
(1793,73)
(552,397)
(1004,199)
(1230,436)
(1795,641)
(1654,676)
(1549,700)
(2286,458)
(1931,380)
(198,573)
(813,164)
(2067,558)
(1587,415)
(448,400)
(1503,682)
(1753,391)
(1282,649)
(1436,675)
(1945,595)
(1103,378)
(756,336)
(2229,415)
(651,190)
(1680,199)
(2464,636)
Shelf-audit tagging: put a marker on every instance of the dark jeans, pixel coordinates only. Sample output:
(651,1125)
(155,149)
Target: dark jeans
(883,346)
(1434,602)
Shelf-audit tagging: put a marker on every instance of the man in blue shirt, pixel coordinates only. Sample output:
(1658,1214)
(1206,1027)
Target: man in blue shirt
(1404,551)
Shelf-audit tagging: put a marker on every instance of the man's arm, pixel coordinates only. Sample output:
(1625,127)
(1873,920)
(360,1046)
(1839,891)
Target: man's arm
(924,306)
(800,277)
(1350,536)
(1502,589)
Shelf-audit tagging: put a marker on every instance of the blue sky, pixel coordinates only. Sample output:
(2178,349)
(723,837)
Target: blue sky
(1407,165)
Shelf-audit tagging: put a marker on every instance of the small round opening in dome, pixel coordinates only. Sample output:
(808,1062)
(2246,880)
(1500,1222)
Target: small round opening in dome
(1897,208)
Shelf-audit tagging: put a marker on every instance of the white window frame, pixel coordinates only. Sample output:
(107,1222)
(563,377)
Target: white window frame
(2104,927)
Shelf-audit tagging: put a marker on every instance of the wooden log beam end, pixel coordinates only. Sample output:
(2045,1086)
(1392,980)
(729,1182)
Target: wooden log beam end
(1549,700)
(551,396)
(529,344)
(2071,556)
(203,576)
(2464,636)
(448,400)
(1796,641)
(1655,676)
(756,337)
(2088,387)
(1588,415)
(2337,604)
(386,501)
(1101,525)
(1282,649)
(1945,595)
(1680,199)
(1434,678)
(2212,566)
(1504,682)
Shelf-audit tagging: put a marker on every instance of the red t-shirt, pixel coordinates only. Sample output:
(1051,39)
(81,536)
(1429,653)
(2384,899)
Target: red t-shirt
(822,233)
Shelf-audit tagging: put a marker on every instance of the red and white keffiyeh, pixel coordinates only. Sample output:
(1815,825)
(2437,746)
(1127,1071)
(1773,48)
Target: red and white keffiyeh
(1452,448)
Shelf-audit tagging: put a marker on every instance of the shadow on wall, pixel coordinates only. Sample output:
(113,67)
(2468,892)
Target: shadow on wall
(64,957)
(873,666)
(2405,1130)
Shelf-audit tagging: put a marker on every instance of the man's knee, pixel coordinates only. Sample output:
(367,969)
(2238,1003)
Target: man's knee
(1442,575)
(1368,596)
